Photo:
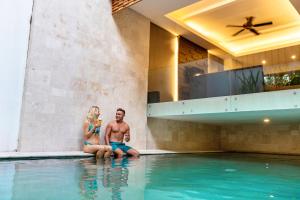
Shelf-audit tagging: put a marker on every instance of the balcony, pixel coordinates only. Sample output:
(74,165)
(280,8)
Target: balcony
(279,106)
(242,95)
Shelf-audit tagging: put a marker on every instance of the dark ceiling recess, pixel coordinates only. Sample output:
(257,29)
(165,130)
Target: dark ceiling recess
(118,5)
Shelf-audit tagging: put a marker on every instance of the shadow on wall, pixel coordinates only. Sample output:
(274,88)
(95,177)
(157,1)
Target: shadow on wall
(130,36)
(182,136)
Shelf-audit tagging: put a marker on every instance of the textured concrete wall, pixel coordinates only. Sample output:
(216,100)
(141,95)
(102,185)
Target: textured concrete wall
(162,62)
(277,138)
(182,136)
(80,55)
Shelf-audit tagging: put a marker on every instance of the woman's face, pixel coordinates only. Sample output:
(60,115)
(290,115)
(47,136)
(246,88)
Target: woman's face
(96,113)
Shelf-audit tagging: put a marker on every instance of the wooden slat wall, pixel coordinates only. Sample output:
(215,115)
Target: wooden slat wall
(189,51)
(118,5)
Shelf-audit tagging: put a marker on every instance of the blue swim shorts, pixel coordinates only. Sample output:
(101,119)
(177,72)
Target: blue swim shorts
(119,145)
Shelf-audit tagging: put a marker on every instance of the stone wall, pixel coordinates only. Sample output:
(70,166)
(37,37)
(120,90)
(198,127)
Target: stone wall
(80,55)
(276,138)
(182,136)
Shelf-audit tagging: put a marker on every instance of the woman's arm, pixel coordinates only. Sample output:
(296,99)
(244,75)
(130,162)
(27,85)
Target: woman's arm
(87,133)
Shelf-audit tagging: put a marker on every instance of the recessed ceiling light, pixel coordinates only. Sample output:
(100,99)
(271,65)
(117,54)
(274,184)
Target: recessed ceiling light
(263,62)
(266,120)
(293,57)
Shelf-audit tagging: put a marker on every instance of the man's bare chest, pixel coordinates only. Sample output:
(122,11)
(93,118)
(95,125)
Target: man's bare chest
(119,129)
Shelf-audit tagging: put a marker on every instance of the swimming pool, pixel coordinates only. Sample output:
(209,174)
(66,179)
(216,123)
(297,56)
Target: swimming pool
(162,177)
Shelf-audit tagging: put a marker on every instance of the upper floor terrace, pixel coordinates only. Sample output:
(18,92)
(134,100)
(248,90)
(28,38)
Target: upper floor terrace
(203,69)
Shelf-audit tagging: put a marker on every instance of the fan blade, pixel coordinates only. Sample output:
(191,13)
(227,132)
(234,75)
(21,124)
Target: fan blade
(263,24)
(254,31)
(238,32)
(234,26)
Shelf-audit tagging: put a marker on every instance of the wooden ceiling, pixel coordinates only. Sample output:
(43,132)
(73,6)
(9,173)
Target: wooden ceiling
(118,5)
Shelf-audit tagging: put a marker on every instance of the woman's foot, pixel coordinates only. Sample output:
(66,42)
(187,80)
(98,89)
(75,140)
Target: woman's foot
(99,154)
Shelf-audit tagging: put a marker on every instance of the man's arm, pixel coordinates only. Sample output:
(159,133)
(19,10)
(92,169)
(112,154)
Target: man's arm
(127,135)
(107,133)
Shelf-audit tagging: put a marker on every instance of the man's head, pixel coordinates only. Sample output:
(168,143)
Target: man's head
(120,114)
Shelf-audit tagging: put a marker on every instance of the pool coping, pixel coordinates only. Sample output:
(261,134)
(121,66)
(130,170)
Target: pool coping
(80,154)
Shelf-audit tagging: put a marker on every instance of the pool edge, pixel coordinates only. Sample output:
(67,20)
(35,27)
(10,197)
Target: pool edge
(80,154)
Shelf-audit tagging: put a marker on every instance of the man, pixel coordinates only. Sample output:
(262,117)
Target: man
(116,131)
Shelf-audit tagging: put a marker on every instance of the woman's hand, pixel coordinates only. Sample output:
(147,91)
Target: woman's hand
(97,124)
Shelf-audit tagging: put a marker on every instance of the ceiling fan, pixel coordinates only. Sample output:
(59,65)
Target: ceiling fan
(250,26)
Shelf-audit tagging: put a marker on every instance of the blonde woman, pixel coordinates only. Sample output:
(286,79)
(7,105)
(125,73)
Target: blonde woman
(91,128)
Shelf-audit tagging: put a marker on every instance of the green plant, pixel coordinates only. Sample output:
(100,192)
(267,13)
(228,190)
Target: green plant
(295,78)
(249,83)
(281,80)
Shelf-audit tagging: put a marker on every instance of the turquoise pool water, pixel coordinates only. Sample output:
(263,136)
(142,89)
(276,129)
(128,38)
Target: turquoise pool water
(161,177)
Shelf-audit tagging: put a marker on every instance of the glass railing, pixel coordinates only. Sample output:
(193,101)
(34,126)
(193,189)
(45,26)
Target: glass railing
(238,81)
(231,82)
(196,85)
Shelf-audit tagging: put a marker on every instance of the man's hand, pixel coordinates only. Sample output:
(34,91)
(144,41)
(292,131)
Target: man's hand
(126,137)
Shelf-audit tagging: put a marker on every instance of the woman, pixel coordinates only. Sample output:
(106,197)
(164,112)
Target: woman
(91,128)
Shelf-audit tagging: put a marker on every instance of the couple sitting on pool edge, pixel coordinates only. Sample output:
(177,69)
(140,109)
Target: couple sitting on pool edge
(116,131)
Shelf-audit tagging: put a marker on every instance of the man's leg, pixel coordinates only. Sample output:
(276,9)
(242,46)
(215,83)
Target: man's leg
(118,152)
(133,152)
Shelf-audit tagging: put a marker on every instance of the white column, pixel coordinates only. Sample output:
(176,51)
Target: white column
(14,34)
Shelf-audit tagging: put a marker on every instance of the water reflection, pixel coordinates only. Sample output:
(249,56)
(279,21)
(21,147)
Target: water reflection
(115,176)
(112,173)
(89,179)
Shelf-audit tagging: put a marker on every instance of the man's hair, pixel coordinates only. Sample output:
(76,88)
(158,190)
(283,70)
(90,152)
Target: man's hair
(121,109)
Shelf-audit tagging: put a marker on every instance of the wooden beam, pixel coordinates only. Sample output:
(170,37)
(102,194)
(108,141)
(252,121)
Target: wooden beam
(118,5)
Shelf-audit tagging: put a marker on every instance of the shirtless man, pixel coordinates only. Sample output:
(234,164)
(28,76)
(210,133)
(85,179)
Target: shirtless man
(116,131)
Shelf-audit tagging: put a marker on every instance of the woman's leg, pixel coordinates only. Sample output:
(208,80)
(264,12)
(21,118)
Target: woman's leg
(100,153)
(107,150)
(95,149)
(107,154)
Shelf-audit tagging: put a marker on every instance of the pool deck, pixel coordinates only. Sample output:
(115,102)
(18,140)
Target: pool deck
(80,154)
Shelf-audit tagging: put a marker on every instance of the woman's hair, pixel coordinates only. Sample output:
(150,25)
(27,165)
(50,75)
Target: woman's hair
(91,112)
